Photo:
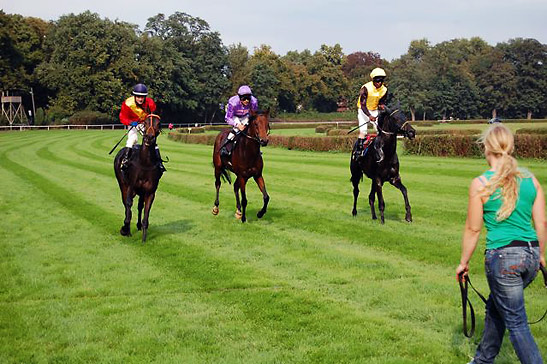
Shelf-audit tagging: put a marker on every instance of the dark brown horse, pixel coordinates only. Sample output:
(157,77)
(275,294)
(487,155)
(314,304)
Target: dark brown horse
(141,177)
(390,124)
(245,161)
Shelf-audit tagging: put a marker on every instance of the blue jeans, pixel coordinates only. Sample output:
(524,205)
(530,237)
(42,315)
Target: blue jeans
(509,271)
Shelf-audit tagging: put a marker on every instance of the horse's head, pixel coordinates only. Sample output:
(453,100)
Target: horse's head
(259,126)
(152,128)
(393,120)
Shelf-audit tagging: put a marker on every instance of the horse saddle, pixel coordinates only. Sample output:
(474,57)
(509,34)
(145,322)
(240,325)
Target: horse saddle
(358,151)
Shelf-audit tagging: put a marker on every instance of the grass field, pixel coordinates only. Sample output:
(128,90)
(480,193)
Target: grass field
(306,284)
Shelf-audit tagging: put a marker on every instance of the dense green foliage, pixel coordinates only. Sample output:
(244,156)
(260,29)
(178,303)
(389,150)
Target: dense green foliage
(191,73)
(308,283)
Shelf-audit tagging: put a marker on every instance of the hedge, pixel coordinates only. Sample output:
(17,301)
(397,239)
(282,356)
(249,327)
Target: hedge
(541,131)
(449,131)
(341,143)
(444,145)
(336,132)
(192,130)
(526,146)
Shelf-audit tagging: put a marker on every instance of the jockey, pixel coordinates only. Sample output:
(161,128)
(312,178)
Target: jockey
(237,115)
(372,97)
(134,110)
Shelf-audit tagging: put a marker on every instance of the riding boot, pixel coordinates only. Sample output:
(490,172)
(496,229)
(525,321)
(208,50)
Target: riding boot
(227,146)
(358,148)
(160,161)
(125,158)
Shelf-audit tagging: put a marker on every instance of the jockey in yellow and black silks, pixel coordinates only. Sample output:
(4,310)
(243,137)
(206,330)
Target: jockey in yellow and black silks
(372,97)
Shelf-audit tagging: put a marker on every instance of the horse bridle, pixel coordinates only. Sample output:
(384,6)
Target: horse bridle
(255,138)
(398,129)
(151,116)
(465,302)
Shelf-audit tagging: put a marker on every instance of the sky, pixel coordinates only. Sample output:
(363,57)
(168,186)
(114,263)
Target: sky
(384,27)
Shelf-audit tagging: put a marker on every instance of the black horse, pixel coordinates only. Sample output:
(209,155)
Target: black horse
(141,177)
(391,122)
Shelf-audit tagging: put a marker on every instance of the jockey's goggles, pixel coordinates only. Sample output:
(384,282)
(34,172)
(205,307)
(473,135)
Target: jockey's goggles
(245,97)
(378,79)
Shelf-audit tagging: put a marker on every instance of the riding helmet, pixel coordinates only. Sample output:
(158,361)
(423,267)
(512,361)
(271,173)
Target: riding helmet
(377,72)
(244,90)
(140,90)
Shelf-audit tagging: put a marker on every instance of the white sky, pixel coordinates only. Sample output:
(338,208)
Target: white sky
(385,27)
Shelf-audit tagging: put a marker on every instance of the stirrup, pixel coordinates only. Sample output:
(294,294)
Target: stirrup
(124,164)
(224,152)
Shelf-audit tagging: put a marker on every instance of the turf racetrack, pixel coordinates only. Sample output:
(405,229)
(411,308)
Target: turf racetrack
(308,283)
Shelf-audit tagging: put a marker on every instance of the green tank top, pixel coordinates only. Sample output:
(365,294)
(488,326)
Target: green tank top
(518,226)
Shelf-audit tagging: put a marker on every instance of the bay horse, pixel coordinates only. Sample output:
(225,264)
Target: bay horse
(245,161)
(141,176)
(391,122)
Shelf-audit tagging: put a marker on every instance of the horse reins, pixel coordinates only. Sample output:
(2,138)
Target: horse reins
(391,133)
(464,281)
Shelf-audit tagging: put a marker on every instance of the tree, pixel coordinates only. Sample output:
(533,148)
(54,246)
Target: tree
(528,58)
(239,70)
(21,45)
(89,63)
(200,74)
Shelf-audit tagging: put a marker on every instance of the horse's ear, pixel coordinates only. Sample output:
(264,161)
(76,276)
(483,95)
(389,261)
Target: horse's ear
(253,113)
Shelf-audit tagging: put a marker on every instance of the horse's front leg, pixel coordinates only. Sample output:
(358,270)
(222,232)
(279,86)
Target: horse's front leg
(381,204)
(355,181)
(128,203)
(399,184)
(266,198)
(217,186)
(243,200)
(139,207)
(147,206)
(238,203)
(371,198)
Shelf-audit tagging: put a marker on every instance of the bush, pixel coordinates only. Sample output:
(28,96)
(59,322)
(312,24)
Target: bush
(526,146)
(88,117)
(192,130)
(534,131)
(323,128)
(449,131)
(341,143)
(217,127)
(335,132)
(208,139)
(424,123)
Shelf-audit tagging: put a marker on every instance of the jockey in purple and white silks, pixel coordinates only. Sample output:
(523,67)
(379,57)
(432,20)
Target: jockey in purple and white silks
(237,115)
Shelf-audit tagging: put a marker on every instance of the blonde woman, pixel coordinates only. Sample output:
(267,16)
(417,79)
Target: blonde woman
(507,199)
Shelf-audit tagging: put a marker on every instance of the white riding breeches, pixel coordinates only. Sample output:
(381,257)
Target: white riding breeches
(237,121)
(133,135)
(244,120)
(364,120)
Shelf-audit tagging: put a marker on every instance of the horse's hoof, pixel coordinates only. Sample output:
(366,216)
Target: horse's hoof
(408,219)
(125,231)
(260,213)
(238,215)
(243,219)
(139,226)
(354,212)
(215,210)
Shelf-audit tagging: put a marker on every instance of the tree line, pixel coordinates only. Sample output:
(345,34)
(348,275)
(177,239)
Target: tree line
(82,62)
